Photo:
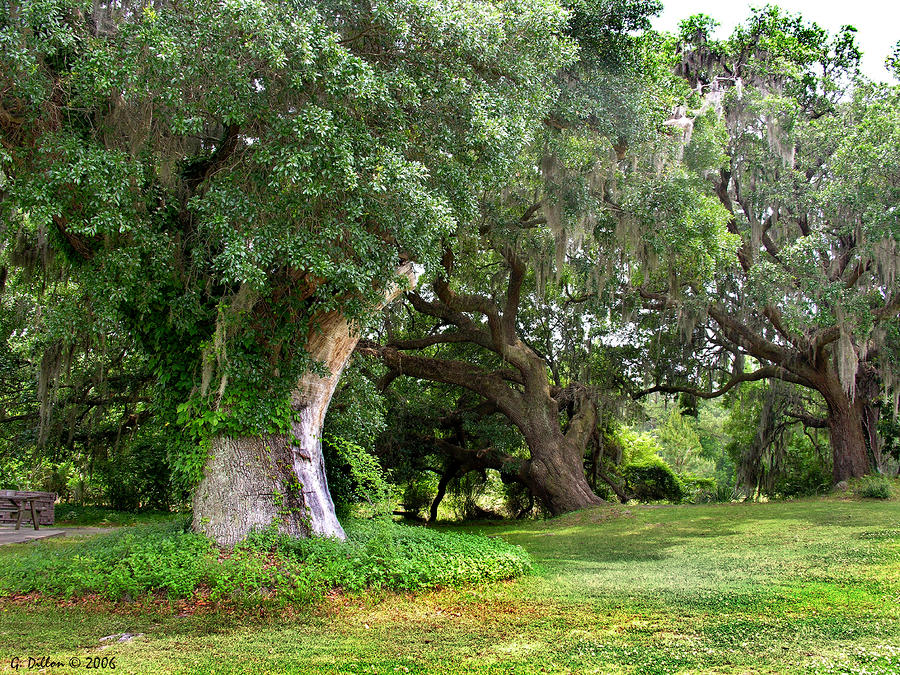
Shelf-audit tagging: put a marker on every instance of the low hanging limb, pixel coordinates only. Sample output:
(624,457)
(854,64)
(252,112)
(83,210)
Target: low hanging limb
(767,372)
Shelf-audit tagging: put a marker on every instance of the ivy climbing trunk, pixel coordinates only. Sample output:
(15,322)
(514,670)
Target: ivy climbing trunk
(251,482)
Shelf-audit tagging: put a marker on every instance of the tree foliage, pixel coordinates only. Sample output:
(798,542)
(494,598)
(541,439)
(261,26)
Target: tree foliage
(202,180)
(807,285)
(194,193)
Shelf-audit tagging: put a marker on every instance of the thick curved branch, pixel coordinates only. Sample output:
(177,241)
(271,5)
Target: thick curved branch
(754,343)
(466,302)
(513,294)
(747,339)
(721,186)
(774,316)
(808,420)
(439,311)
(482,458)
(856,273)
(470,302)
(772,248)
(490,385)
(764,373)
(198,173)
(889,310)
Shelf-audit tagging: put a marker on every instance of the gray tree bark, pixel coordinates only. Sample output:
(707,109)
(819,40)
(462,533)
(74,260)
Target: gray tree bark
(252,482)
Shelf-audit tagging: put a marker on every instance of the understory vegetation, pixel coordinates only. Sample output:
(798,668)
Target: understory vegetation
(163,560)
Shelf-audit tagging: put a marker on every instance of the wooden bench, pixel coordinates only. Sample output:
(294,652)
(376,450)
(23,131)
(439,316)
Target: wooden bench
(16,504)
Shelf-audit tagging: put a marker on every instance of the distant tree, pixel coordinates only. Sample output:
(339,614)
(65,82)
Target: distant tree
(809,183)
(680,442)
(514,314)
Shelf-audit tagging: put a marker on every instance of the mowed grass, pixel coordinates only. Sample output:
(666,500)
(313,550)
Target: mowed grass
(798,587)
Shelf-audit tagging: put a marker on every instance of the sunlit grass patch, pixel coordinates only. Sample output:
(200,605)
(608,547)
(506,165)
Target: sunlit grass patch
(808,586)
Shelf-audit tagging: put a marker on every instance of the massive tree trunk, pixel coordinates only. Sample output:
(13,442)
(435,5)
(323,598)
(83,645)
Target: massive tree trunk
(848,444)
(252,482)
(846,426)
(556,472)
(555,475)
(874,442)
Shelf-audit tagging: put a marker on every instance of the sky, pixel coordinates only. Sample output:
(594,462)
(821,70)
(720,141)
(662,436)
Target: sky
(877,22)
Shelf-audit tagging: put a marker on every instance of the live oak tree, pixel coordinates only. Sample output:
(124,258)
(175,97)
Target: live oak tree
(237,184)
(451,425)
(514,379)
(526,255)
(809,183)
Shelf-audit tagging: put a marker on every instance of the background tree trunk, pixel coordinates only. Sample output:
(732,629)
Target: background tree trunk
(252,482)
(846,424)
(449,474)
(556,475)
(848,443)
(556,472)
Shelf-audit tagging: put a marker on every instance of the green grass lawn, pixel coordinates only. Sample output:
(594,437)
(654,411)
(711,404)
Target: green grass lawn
(69,515)
(809,586)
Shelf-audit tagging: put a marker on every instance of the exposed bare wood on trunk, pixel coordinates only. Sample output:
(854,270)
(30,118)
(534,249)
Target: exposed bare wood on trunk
(252,482)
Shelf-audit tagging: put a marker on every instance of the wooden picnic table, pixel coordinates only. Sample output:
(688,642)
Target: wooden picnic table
(19,503)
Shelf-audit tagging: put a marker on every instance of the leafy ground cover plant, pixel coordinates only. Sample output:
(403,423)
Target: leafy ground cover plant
(163,559)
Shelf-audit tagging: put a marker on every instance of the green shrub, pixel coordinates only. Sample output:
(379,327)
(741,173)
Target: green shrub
(136,477)
(724,492)
(699,490)
(637,448)
(874,487)
(355,476)
(418,494)
(652,480)
(165,560)
(251,575)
